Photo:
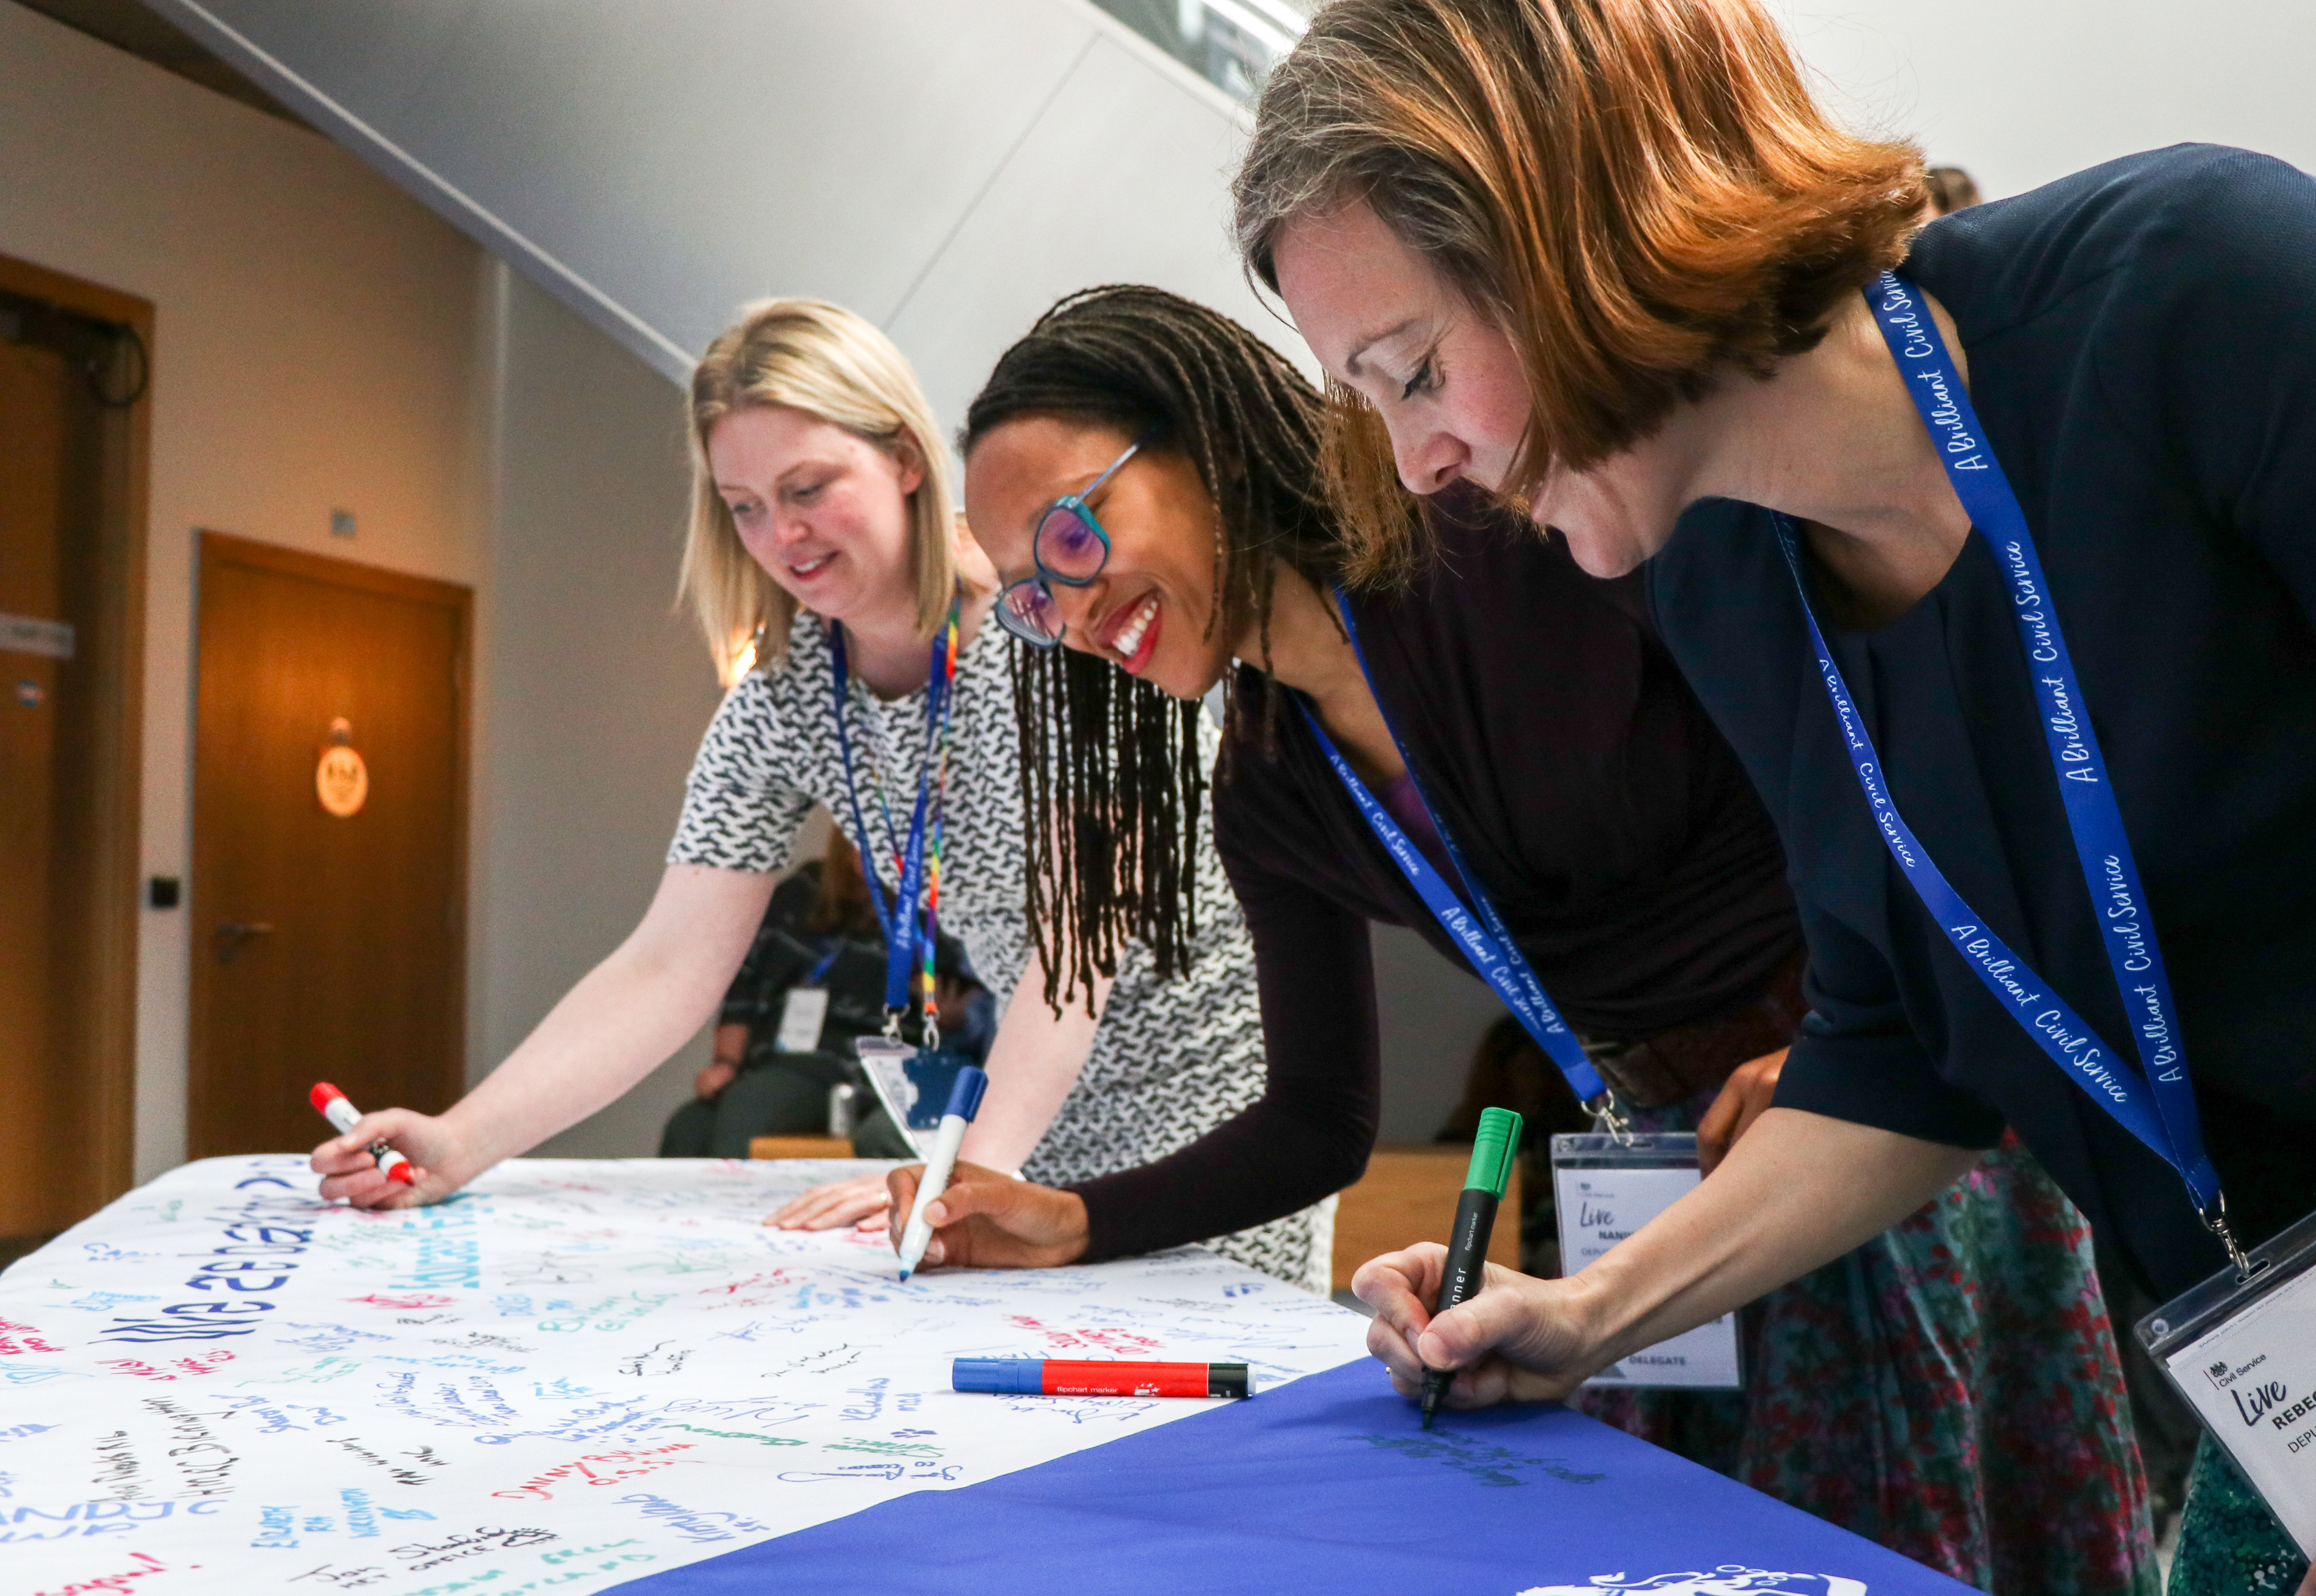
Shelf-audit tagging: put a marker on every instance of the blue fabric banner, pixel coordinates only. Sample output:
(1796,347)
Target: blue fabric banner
(1327,1483)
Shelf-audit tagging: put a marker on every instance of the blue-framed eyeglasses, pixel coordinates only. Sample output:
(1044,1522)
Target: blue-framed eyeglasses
(1070,548)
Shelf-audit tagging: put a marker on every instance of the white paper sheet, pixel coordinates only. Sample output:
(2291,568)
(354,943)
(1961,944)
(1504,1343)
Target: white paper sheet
(578,1373)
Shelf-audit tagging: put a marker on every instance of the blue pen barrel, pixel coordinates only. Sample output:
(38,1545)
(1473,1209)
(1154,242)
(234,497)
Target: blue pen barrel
(965,1093)
(1000,1376)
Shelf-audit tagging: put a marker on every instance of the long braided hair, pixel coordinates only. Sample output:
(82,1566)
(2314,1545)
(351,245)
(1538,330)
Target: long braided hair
(1111,765)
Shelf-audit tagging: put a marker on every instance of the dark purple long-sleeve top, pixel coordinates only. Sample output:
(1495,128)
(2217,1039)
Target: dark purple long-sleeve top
(1610,823)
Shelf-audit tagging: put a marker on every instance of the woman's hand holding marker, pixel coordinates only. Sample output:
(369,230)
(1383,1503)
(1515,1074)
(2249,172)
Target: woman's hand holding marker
(351,1173)
(332,1105)
(989,1220)
(1516,1341)
(965,1094)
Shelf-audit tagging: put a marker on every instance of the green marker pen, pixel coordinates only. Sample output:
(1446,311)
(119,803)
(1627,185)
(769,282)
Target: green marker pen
(1475,1220)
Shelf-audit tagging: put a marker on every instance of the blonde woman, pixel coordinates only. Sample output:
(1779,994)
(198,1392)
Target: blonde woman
(822,530)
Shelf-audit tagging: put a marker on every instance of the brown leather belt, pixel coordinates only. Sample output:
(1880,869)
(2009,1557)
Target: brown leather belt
(1676,1064)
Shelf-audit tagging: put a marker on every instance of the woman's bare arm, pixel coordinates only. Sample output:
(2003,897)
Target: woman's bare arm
(1797,1190)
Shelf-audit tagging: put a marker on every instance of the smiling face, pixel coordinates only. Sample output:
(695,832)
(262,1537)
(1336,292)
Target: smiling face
(1445,381)
(825,512)
(1147,612)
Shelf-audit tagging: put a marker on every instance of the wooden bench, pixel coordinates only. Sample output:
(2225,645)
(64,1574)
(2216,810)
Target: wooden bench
(800,1146)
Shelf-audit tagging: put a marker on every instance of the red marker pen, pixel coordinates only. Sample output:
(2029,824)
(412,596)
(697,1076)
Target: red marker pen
(342,1115)
(1071,1376)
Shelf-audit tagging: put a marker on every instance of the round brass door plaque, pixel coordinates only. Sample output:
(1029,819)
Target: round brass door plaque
(341,780)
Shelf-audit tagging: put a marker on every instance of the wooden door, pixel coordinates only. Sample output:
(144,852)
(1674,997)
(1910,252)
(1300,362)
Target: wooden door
(75,363)
(326,947)
(48,497)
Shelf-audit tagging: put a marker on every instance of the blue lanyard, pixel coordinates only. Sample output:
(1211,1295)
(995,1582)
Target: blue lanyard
(1484,941)
(828,957)
(2156,1104)
(907,920)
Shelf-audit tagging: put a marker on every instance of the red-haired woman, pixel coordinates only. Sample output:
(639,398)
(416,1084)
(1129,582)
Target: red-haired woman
(1605,257)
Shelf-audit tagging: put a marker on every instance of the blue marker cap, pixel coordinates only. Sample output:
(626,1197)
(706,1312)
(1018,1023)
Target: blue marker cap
(965,1092)
(999,1376)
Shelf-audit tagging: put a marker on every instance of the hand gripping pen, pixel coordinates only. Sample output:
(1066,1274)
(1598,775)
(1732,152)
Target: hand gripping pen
(343,1117)
(964,1104)
(1476,1219)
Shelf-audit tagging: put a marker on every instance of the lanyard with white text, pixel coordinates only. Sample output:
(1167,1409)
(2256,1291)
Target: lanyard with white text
(902,924)
(2157,1104)
(1494,955)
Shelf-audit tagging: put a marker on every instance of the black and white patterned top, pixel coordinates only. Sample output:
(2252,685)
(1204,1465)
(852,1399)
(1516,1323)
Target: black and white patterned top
(1170,1059)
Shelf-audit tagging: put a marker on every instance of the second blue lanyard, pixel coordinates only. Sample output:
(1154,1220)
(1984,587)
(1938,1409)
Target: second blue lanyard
(1477,929)
(2156,1104)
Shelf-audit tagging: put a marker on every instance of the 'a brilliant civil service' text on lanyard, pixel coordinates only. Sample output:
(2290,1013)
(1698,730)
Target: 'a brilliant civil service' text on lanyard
(2156,1104)
(1479,931)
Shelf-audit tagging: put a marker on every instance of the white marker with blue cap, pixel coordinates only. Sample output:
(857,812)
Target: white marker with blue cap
(964,1104)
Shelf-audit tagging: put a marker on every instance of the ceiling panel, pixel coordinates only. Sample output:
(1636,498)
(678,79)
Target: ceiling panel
(752,148)
(655,165)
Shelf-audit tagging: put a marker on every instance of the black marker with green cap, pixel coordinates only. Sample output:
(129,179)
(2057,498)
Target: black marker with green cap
(1475,1220)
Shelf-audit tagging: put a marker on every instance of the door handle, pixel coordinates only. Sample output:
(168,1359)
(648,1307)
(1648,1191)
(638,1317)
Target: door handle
(229,937)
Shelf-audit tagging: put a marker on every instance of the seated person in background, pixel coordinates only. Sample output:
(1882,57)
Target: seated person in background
(819,931)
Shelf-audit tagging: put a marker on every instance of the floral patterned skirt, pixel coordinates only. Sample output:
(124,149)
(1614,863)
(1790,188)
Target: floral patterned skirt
(1950,1390)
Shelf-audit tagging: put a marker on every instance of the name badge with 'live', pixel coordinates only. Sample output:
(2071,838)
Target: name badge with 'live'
(2242,1351)
(1606,1187)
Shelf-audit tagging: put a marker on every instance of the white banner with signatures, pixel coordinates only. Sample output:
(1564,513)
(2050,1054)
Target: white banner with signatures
(576,1373)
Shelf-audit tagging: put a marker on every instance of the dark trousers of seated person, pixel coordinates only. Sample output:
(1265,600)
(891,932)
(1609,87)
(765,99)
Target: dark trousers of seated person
(785,1095)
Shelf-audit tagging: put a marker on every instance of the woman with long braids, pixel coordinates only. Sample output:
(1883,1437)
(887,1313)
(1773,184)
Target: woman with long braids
(823,528)
(1988,545)
(1147,477)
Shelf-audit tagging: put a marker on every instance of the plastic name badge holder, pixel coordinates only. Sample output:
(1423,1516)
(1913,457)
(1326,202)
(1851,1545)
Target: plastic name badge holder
(2241,1348)
(1608,1187)
(911,1084)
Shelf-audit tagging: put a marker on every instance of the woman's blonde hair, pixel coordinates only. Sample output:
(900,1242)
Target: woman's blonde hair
(831,364)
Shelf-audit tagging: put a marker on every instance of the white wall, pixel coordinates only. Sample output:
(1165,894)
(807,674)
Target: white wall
(313,350)
(597,690)
(2021,92)
(1430,1015)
